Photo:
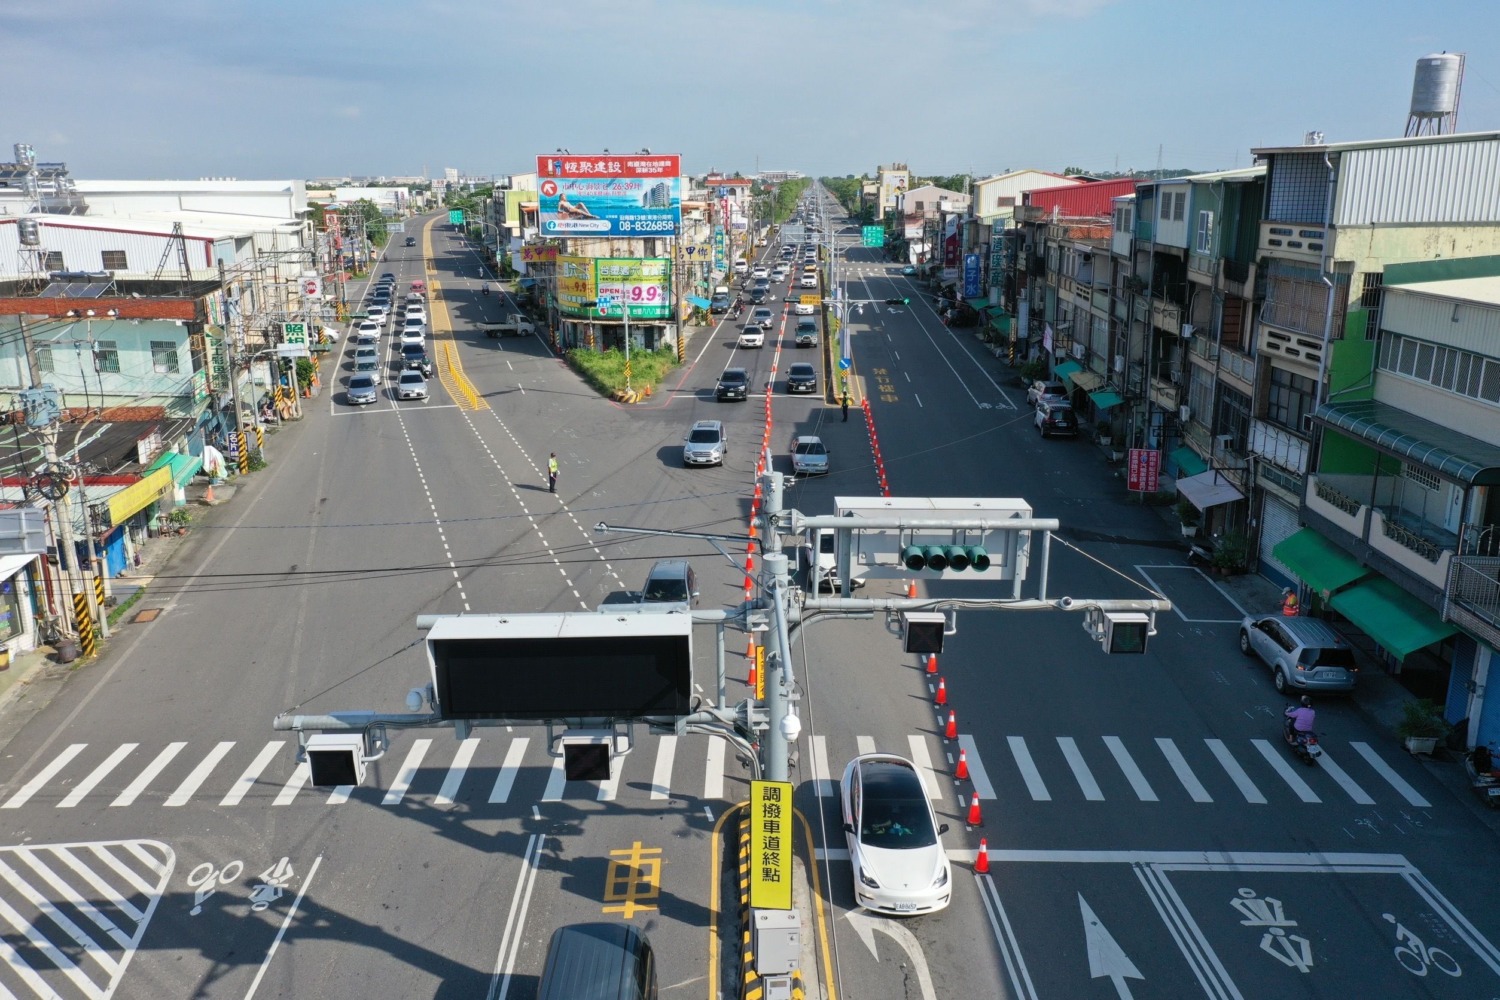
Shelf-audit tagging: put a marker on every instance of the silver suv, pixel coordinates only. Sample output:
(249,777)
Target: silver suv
(705,444)
(1304,654)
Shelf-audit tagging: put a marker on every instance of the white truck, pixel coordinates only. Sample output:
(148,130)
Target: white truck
(514,325)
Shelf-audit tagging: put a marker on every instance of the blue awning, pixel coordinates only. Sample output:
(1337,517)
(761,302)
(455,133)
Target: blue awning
(526,282)
(699,303)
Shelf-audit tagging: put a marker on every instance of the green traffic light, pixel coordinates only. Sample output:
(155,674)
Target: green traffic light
(937,557)
(913,558)
(979,559)
(958,558)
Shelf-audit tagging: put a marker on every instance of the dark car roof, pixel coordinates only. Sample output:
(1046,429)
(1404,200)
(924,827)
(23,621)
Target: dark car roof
(594,962)
(734,375)
(889,779)
(801,368)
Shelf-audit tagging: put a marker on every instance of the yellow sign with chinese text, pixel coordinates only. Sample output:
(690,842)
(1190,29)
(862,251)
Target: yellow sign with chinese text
(771,845)
(810,300)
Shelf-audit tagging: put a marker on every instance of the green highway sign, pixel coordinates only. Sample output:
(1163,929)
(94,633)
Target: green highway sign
(456,217)
(874,236)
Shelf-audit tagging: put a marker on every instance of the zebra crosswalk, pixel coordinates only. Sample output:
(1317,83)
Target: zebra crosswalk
(506,768)
(75,914)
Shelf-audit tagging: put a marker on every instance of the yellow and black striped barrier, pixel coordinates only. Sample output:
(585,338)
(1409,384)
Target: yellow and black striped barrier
(260,438)
(751,987)
(99,593)
(88,642)
(242,451)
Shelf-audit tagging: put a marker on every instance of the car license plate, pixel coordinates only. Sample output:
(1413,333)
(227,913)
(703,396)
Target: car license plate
(1493,791)
(905,907)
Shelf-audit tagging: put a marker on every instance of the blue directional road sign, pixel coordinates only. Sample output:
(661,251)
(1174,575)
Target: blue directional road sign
(845,364)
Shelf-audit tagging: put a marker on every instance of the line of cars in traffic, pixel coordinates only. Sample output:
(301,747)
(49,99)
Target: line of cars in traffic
(370,368)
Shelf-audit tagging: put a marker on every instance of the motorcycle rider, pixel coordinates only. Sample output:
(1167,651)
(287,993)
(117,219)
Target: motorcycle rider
(484,287)
(1300,720)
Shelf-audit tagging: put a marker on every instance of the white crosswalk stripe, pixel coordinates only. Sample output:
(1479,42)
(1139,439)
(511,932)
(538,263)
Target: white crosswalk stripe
(179,775)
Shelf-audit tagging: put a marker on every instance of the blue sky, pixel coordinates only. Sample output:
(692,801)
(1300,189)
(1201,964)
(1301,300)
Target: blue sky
(277,89)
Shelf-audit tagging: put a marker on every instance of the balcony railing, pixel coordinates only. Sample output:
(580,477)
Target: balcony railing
(1402,535)
(1472,598)
(1164,393)
(1337,498)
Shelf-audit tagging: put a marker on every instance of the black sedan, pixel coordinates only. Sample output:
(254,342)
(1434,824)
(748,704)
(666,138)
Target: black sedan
(801,377)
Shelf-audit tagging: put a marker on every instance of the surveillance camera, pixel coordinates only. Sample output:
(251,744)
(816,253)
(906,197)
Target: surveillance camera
(791,727)
(414,699)
(1066,603)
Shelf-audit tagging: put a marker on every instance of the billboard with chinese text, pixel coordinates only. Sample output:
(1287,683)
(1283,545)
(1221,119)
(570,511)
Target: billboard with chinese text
(575,284)
(607,195)
(642,285)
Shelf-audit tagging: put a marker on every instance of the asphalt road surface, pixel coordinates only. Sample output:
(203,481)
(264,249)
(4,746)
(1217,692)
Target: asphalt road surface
(1148,835)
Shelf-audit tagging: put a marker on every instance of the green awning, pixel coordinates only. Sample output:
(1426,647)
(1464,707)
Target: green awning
(1104,399)
(183,467)
(1188,463)
(1316,561)
(1000,320)
(978,304)
(1065,369)
(1392,617)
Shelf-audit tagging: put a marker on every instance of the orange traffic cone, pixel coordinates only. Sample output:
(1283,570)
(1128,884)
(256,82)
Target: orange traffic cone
(975,819)
(951,732)
(941,698)
(932,663)
(208,494)
(961,772)
(911,589)
(982,859)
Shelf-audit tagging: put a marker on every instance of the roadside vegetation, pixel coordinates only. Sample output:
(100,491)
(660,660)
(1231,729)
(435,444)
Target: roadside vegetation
(605,370)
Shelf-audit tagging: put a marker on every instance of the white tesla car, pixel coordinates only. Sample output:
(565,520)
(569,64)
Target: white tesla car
(899,863)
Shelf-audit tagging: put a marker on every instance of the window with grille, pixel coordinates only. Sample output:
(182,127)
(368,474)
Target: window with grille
(1370,299)
(1289,397)
(113,260)
(52,261)
(44,358)
(1201,394)
(163,356)
(1461,372)
(1179,206)
(1421,477)
(1232,417)
(106,356)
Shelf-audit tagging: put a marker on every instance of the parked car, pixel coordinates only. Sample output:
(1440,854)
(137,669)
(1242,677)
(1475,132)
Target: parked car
(1045,387)
(705,444)
(734,383)
(362,390)
(411,385)
(899,865)
(801,377)
(809,456)
(807,332)
(753,335)
(1055,416)
(1304,654)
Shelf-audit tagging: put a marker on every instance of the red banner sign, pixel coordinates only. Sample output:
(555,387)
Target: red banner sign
(609,165)
(1143,470)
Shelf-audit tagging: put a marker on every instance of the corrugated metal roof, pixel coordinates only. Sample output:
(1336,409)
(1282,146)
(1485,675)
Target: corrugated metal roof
(1339,147)
(1485,290)
(1222,176)
(1077,201)
(1456,183)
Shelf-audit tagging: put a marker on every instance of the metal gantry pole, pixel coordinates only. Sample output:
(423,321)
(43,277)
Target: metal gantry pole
(780,675)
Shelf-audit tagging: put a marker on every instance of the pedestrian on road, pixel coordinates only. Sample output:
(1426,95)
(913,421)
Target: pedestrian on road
(552,473)
(844,405)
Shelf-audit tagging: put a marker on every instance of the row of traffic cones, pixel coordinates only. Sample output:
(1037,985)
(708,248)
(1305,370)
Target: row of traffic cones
(950,733)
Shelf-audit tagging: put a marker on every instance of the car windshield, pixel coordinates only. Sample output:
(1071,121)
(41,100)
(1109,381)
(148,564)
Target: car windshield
(811,448)
(411,377)
(894,814)
(704,436)
(1328,657)
(666,590)
(361,382)
(803,370)
(733,377)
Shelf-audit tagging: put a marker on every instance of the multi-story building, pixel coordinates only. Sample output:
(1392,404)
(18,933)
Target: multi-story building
(890,183)
(1401,506)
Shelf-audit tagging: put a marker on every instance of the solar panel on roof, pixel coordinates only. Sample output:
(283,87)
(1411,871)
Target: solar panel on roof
(75,290)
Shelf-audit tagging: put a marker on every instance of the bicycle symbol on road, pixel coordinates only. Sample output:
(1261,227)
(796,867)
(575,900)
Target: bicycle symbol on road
(1416,958)
(206,880)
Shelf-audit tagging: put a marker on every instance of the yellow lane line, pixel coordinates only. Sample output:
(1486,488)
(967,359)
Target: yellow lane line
(817,893)
(713,902)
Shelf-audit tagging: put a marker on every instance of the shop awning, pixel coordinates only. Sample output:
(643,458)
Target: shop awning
(1104,399)
(184,467)
(526,282)
(1066,370)
(699,303)
(1208,489)
(1392,617)
(1188,462)
(978,304)
(1319,563)
(139,495)
(11,565)
(1459,457)
(1087,381)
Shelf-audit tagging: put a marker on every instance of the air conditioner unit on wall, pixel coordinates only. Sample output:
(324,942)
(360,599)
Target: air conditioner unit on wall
(1078,351)
(1119,362)
(1184,413)
(1188,330)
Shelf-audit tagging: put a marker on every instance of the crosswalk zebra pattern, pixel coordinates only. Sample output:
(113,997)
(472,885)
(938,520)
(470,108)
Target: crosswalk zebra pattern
(498,770)
(75,914)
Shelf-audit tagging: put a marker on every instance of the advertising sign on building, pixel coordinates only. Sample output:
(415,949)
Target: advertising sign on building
(997,257)
(575,284)
(720,251)
(644,286)
(539,252)
(771,845)
(971,275)
(950,242)
(607,195)
(1143,470)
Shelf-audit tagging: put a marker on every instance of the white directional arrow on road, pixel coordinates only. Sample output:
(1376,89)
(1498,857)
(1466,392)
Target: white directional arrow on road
(1106,957)
(865,926)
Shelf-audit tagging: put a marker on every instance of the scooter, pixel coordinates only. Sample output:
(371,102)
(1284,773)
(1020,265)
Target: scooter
(1480,765)
(1304,745)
